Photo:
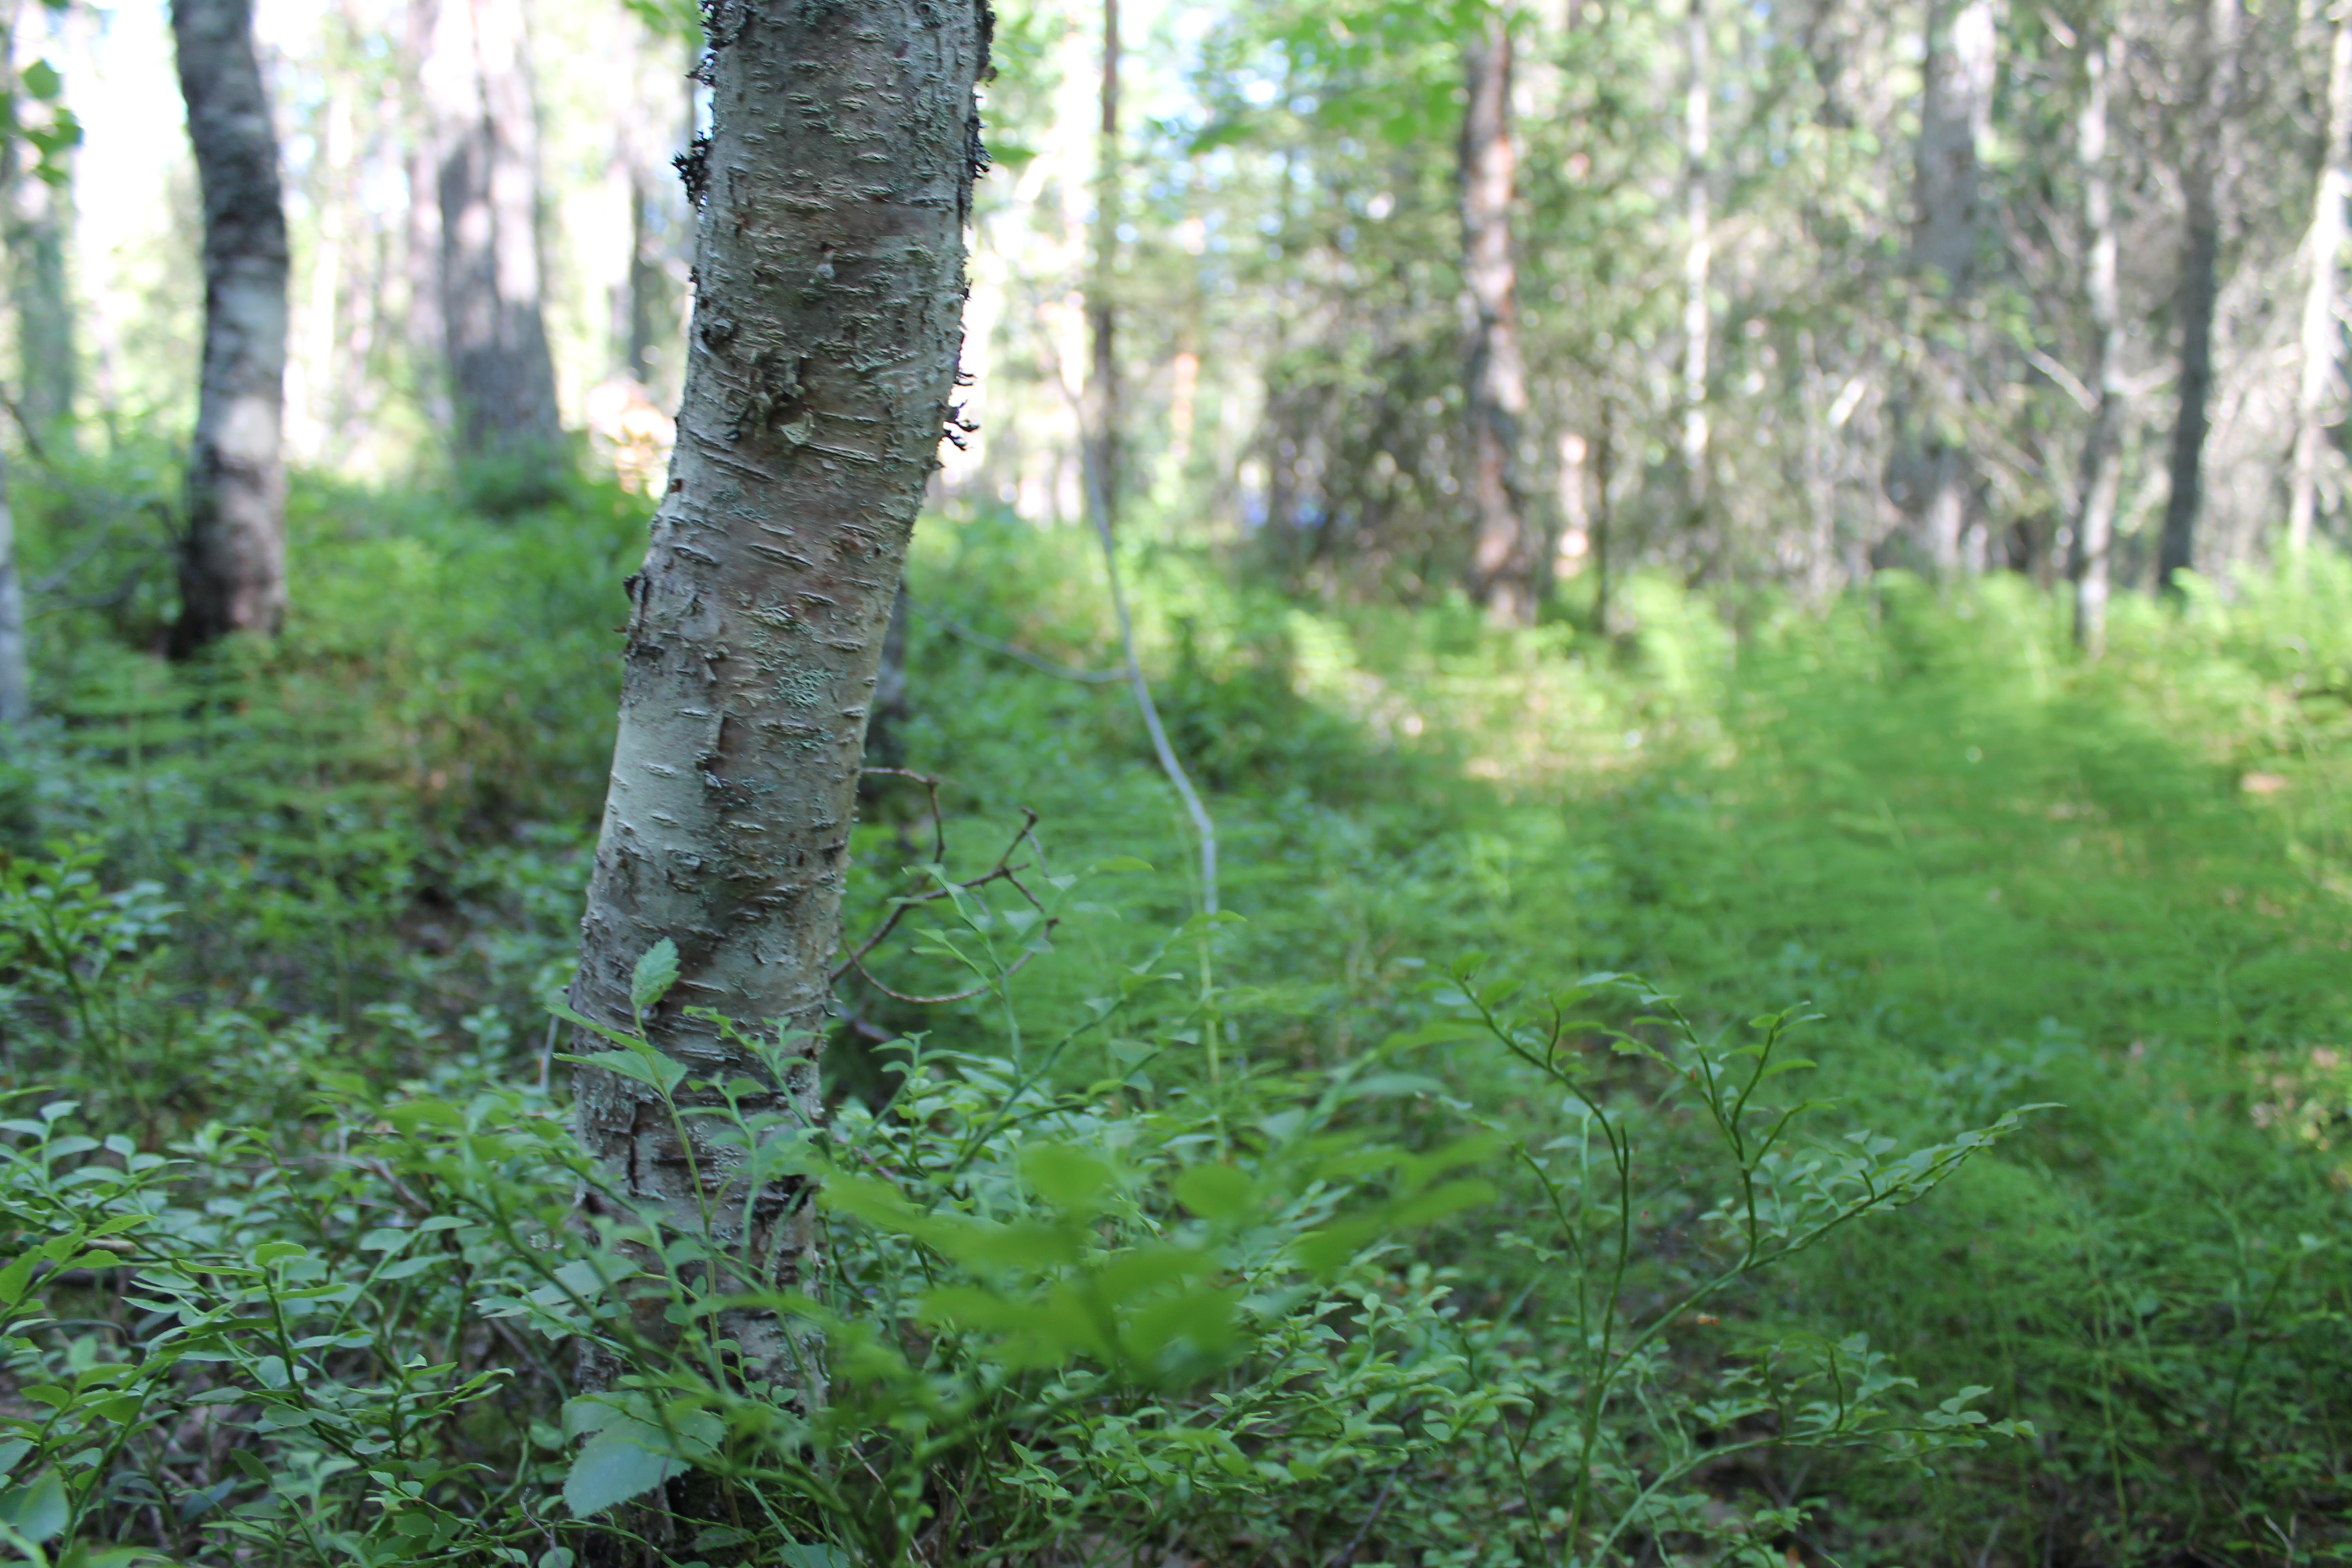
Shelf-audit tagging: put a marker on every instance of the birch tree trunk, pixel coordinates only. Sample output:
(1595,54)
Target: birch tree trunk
(2323,334)
(1101,397)
(2102,482)
(1699,257)
(822,355)
(1502,575)
(1954,119)
(233,562)
(477,85)
(2200,282)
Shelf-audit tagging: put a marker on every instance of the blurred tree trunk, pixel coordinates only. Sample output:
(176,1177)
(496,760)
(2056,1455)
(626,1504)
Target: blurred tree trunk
(1101,397)
(1954,118)
(651,330)
(485,136)
(2322,333)
(15,685)
(821,358)
(37,215)
(1502,575)
(2200,256)
(1698,257)
(2102,482)
(15,700)
(233,562)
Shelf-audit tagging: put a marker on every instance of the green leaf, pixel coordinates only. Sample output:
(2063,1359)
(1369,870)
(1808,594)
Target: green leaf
(1116,862)
(1216,1192)
(38,1510)
(42,80)
(1066,1177)
(613,1468)
(813,1557)
(656,972)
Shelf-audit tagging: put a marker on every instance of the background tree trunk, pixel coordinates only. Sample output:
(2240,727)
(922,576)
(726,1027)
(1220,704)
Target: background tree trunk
(2101,483)
(16,686)
(477,82)
(2323,334)
(1955,117)
(1502,575)
(232,564)
(33,221)
(1101,457)
(2200,282)
(821,358)
(1698,257)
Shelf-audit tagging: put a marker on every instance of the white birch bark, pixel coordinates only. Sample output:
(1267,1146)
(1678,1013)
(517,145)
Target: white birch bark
(820,367)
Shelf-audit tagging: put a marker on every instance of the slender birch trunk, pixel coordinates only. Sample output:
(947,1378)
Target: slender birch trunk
(233,562)
(1699,257)
(2102,481)
(1954,119)
(820,365)
(2323,334)
(478,92)
(1100,397)
(1502,575)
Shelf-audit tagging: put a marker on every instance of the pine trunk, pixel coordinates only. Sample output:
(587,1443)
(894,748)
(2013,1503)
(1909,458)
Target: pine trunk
(820,365)
(233,560)
(2200,256)
(1502,575)
(2102,484)
(2323,334)
(486,184)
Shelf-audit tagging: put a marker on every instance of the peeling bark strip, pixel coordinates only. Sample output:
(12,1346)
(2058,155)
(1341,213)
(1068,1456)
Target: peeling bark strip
(826,332)
(232,564)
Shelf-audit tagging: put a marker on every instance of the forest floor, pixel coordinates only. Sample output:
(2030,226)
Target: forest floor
(344,874)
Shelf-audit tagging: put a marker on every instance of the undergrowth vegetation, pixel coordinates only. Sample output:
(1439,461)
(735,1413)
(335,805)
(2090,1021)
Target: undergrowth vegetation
(1963,1181)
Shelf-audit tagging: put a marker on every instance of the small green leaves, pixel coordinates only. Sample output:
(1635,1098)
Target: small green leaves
(656,972)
